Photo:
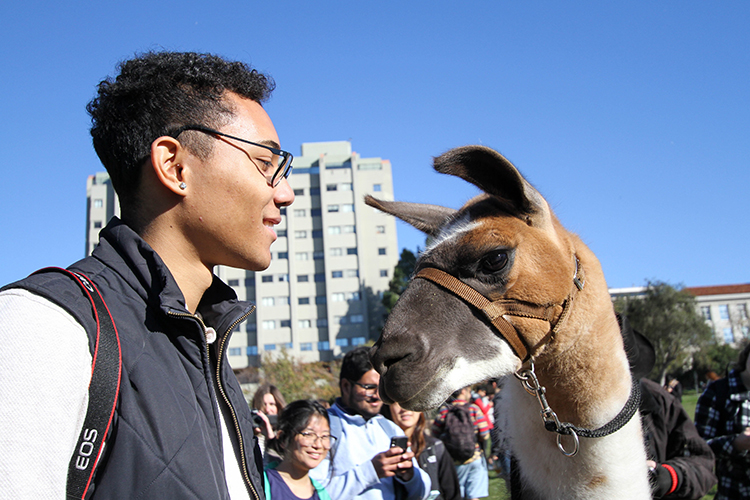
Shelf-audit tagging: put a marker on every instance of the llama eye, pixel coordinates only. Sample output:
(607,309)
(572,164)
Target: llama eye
(495,261)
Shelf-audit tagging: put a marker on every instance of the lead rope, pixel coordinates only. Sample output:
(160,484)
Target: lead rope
(552,423)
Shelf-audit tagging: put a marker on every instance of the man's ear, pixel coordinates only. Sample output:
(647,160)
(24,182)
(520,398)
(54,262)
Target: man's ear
(166,161)
(345,387)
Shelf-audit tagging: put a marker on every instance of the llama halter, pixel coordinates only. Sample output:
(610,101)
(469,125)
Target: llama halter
(555,315)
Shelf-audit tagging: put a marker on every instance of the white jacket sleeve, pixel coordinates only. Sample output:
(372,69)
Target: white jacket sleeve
(44,378)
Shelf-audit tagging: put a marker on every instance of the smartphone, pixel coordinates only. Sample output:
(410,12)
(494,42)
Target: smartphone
(400,441)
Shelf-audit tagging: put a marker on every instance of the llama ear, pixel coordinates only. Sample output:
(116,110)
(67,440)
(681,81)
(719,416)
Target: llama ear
(495,175)
(426,218)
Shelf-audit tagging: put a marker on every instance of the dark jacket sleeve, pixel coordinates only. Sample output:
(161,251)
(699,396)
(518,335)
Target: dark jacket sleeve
(449,487)
(675,442)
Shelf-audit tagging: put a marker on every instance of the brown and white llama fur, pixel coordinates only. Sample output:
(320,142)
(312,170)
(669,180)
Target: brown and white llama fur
(507,244)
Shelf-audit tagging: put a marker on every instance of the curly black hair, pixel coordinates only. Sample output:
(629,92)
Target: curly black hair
(355,364)
(158,92)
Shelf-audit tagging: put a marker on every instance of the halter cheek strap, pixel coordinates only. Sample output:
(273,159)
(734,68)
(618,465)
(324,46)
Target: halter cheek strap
(496,310)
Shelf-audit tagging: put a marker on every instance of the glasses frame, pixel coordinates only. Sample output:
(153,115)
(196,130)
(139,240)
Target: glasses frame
(284,169)
(367,387)
(307,435)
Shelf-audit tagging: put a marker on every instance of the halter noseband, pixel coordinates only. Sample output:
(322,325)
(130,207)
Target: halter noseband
(496,310)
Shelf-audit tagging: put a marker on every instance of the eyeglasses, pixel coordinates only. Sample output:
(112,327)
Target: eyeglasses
(367,387)
(308,438)
(279,168)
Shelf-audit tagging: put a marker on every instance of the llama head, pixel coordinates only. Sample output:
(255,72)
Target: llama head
(505,244)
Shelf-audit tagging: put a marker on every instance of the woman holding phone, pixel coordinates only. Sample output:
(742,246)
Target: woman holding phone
(430,452)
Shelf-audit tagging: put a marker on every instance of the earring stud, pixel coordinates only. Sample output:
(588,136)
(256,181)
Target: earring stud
(183,186)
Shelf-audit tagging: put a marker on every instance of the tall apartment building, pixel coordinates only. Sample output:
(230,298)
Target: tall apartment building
(331,263)
(724,308)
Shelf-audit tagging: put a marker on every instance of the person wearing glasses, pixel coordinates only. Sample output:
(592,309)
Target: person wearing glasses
(303,440)
(365,466)
(201,179)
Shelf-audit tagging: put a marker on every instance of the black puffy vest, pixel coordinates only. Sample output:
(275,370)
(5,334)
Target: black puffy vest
(166,440)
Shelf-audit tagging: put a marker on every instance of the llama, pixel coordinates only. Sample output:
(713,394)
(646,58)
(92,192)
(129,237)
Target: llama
(501,289)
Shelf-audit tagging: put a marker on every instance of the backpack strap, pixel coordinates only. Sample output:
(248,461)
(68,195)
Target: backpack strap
(104,388)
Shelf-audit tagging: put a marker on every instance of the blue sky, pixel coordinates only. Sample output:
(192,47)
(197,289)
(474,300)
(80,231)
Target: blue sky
(631,118)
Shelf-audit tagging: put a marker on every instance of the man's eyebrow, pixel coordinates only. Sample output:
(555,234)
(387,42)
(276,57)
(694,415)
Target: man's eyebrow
(271,143)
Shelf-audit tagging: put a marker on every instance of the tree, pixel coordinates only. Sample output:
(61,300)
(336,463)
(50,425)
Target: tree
(401,275)
(297,380)
(668,318)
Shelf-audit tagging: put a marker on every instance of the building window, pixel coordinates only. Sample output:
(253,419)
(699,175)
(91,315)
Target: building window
(268,301)
(380,229)
(347,207)
(353,297)
(384,273)
(349,229)
(281,233)
(98,203)
(315,191)
(351,251)
(337,274)
(358,340)
(283,278)
(283,255)
(377,187)
(320,299)
(233,282)
(303,301)
(318,255)
(299,192)
(352,273)
(331,187)
(339,320)
(285,323)
(742,311)
(321,322)
(250,282)
(282,301)
(319,277)
(300,235)
(724,311)
(336,252)
(303,278)
(342,342)
(333,208)
(315,212)
(317,233)
(728,336)
(97,224)
(252,327)
(267,279)
(302,256)
(345,186)
(304,323)
(324,345)
(300,212)
(334,230)
(381,251)
(252,350)
(269,324)
(282,210)
(286,345)
(305,346)
(706,312)
(235,351)
(337,297)
(269,347)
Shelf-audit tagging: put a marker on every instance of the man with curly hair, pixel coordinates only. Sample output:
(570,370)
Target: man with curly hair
(201,178)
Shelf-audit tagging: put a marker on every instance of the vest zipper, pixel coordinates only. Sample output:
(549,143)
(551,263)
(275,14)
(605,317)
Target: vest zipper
(220,356)
(245,473)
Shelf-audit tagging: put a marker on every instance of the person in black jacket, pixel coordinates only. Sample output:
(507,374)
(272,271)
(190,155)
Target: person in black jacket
(195,162)
(680,461)
(431,454)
